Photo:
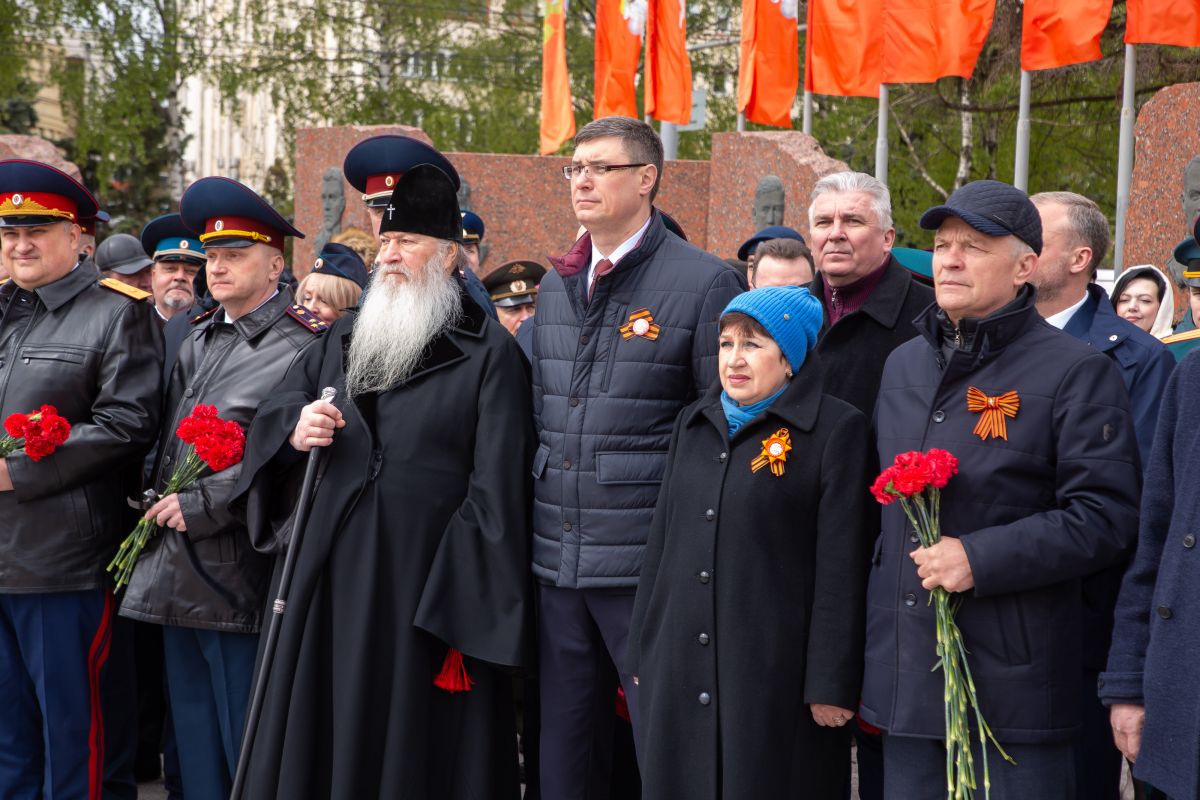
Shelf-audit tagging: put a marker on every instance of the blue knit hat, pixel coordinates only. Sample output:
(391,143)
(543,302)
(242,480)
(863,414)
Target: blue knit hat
(790,314)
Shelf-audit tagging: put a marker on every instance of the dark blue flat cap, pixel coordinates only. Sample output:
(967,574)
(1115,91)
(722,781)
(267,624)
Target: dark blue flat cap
(992,208)
(771,232)
(375,165)
(342,262)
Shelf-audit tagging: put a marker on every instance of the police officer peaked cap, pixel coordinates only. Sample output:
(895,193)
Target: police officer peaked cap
(424,202)
(342,262)
(226,213)
(472,227)
(33,193)
(166,238)
(1188,255)
(514,283)
(374,165)
(88,225)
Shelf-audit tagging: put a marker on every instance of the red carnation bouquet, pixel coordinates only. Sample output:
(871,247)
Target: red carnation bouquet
(215,444)
(916,479)
(38,433)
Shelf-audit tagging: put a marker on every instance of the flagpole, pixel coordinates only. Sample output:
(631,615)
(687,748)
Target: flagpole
(881,139)
(1021,167)
(741,122)
(670,140)
(1125,155)
(808,104)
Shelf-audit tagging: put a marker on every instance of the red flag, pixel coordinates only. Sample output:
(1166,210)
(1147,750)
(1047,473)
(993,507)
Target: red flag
(1174,22)
(619,27)
(1055,33)
(843,52)
(768,62)
(558,115)
(924,40)
(668,69)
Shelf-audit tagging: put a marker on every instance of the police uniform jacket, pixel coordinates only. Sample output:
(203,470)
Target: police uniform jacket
(604,401)
(93,353)
(209,576)
(1055,501)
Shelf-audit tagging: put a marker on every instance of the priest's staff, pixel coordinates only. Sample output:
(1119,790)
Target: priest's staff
(277,610)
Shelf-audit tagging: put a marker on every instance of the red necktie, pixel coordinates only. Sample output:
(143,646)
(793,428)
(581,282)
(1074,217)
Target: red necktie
(603,267)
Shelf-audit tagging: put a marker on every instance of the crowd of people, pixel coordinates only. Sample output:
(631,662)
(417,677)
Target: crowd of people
(603,530)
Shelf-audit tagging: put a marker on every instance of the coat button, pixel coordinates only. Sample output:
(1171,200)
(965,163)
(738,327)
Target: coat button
(188,392)
(567,526)
(1189,541)
(1113,338)
(705,698)
(166,461)
(702,638)
(705,576)
(912,537)
(566,464)
(708,515)
(574,401)
(910,599)
(939,416)
(722,457)
(583,339)
(1164,612)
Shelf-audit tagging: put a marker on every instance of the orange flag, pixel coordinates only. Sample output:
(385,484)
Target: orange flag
(769,62)
(558,115)
(1055,33)
(668,69)
(1174,22)
(843,53)
(619,27)
(924,40)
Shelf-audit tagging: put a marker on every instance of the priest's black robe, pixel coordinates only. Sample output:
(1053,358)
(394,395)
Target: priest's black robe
(417,542)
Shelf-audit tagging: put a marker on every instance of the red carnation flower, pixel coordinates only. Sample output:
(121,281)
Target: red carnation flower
(944,466)
(15,425)
(881,489)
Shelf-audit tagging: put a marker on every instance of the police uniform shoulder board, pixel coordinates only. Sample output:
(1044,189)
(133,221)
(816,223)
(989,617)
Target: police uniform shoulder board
(1184,336)
(124,288)
(205,315)
(307,318)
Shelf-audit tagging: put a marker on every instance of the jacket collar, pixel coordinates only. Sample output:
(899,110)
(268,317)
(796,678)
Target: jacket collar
(579,257)
(443,350)
(1099,324)
(58,293)
(886,302)
(251,325)
(989,334)
(798,406)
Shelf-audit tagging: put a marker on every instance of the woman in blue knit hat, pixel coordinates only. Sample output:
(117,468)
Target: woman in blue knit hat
(747,634)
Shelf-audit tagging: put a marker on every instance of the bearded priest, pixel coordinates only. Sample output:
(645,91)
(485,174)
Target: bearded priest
(410,605)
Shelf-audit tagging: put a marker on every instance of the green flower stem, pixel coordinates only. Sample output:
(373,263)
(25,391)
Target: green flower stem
(131,548)
(959,696)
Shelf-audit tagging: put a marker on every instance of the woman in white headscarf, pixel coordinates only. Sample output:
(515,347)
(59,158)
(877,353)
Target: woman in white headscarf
(1143,296)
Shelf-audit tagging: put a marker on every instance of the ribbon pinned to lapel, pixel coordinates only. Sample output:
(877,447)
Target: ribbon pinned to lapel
(992,412)
(774,452)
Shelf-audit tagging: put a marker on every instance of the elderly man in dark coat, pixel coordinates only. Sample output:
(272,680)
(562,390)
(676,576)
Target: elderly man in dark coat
(409,602)
(1046,493)
(1151,682)
(748,627)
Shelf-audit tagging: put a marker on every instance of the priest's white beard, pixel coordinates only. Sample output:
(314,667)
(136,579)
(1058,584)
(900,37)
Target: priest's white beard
(397,322)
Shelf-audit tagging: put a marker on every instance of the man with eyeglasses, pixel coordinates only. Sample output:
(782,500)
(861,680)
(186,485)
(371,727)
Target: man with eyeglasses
(625,337)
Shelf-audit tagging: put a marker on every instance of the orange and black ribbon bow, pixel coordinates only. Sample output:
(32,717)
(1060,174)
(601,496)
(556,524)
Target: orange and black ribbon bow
(774,452)
(641,323)
(992,411)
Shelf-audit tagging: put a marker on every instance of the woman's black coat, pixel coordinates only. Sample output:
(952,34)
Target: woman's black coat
(751,600)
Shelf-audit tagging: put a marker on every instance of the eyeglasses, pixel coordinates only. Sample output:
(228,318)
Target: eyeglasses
(575,170)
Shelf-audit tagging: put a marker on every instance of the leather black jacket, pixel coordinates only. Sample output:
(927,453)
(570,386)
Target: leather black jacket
(209,576)
(93,352)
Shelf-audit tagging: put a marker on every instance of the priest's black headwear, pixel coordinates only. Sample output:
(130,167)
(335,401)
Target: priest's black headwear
(424,202)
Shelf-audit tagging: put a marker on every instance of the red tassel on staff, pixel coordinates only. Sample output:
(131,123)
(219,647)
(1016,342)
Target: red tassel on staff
(453,677)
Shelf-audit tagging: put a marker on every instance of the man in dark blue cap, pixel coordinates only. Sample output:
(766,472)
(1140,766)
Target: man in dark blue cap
(1046,493)
(178,256)
(410,606)
(89,348)
(198,576)
(472,238)
(748,247)
(374,165)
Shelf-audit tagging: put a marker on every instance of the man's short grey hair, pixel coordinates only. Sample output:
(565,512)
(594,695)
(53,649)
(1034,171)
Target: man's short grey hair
(640,141)
(881,198)
(1089,226)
